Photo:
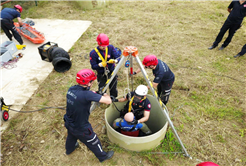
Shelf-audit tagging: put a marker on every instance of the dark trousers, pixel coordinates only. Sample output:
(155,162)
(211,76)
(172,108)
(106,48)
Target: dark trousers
(8,26)
(243,51)
(164,90)
(89,138)
(232,27)
(102,79)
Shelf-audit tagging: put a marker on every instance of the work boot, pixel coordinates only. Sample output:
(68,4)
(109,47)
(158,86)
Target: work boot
(212,47)
(109,155)
(221,48)
(238,55)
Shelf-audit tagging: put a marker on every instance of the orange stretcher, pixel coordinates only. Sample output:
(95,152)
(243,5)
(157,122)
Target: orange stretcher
(30,33)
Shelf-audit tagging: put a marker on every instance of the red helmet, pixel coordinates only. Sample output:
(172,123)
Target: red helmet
(84,76)
(102,40)
(18,7)
(207,163)
(150,60)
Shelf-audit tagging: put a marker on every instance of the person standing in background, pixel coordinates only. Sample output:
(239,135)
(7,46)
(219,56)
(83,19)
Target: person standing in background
(237,10)
(243,51)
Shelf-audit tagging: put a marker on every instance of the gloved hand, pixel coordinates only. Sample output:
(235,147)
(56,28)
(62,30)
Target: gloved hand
(114,99)
(134,73)
(113,61)
(134,122)
(102,64)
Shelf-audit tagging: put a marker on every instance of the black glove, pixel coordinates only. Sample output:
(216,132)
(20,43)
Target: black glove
(134,73)
(134,122)
(114,99)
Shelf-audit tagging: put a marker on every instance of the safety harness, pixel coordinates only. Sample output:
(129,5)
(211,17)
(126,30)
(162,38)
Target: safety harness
(99,54)
(130,132)
(131,101)
(106,70)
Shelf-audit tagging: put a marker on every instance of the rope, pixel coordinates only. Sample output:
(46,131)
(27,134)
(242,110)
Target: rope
(63,108)
(10,64)
(128,84)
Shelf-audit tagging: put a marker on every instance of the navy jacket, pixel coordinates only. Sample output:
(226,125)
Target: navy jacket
(162,72)
(9,14)
(95,59)
(78,107)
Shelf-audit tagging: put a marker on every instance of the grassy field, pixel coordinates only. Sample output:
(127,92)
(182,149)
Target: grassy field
(207,103)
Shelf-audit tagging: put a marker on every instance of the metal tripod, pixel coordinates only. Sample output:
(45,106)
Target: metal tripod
(133,52)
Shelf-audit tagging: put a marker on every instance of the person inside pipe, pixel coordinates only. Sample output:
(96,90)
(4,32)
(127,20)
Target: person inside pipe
(128,126)
(139,105)
(164,77)
(7,24)
(79,98)
(103,59)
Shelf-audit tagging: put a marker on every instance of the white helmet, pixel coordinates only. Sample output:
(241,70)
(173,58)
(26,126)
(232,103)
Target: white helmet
(141,90)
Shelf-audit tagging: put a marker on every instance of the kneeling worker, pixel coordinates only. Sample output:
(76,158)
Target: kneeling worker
(79,99)
(139,105)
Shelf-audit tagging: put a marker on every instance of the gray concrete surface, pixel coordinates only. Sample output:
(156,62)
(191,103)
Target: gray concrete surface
(19,83)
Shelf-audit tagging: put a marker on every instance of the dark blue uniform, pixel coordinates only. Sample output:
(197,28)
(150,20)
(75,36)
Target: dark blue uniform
(137,108)
(101,77)
(7,24)
(165,78)
(76,121)
(232,23)
(126,126)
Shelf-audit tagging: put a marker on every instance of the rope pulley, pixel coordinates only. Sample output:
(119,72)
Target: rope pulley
(127,64)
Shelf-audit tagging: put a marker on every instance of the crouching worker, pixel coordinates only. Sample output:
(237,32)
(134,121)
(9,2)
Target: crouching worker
(79,99)
(139,105)
(164,77)
(129,127)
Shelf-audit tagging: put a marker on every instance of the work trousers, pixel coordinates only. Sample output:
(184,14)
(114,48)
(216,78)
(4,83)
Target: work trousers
(102,79)
(86,136)
(164,90)
(144,129)
(232,27)
(243,51)
(8,26)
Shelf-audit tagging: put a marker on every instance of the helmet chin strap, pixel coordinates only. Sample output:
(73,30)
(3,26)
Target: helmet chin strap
(87,87)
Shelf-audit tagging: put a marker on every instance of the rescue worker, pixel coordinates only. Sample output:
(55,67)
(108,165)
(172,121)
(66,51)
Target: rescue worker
(139,104)
(237,10)
(79,98)
(7,24)
(243,51)
(103,59)
(128,126)
(164,77)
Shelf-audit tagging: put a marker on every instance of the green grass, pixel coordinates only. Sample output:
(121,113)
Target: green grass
(209,84)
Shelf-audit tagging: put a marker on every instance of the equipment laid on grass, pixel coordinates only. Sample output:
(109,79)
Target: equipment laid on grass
(59,57)
(4,110)
(30,33)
